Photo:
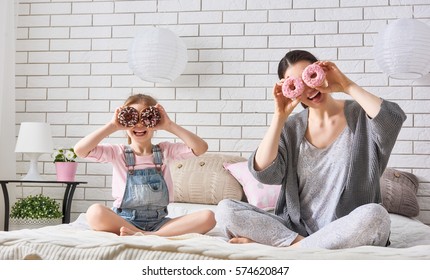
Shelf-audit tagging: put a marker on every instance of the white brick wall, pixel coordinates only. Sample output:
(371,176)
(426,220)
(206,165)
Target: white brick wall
(72,72)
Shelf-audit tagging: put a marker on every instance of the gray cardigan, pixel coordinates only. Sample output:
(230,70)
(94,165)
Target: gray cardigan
(373,141)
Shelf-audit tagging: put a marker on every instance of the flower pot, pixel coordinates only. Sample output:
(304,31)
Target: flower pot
(66,171)
(27,223)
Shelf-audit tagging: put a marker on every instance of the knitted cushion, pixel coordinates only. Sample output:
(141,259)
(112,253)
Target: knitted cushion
(398,190)
(204,180)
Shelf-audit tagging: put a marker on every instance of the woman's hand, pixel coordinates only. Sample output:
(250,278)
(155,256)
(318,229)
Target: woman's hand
(336,80)
(283,105)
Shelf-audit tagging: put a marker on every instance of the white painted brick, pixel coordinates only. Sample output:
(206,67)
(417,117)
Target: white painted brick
(221,55)
(21,57)
(315,4)
(48,32)
(70,44)
(110,93)
(269,4)
(23,9)
(184,81)
(22,33)
(180,106)
(391,93)
(402,147)
(417,134)
(81,130)
(244,16)
(51,8)
(203,68)
(267,28)
(221,29)
(261,106)
(422,147)
(223,5)
(200,17)
(293,41)
(48,57)
(221,80)
(113,19)
(362,26)
(260,80)
(304,28)
(256,132)
(203,42)
(198,93)
(243,93)
(422,11)
(99,118)
(291,15)
(69,69)
(421,93)
(410,161)
(125,81)
(67,118)
(32,45)
(67,93)
(110,44)
(90,56)
(154,18)
(264,54)
(180,5)
(92,8)
(415,106)
(46,106)
(219,132)
(137,6)
(239,145)
(110,69)
(339,14)
(161,94)
(90,32)
(244,119)
(33,21)
(245,42)
(31,69)
(198,119)
(422,120)
(363,3)
(71,20)
(219,106)
(339,40)
(25,93)
(47,81)
(355,53)
(90,81)
(120,56)
(388,12)
(246,67)
(20,82)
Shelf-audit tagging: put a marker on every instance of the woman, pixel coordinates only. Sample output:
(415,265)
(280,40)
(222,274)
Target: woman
(328,158)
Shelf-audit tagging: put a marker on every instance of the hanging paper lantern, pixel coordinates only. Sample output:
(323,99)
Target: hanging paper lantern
(402,49)
(157,55)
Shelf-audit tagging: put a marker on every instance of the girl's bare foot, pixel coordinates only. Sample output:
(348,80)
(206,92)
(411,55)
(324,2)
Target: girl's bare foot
(241,240)
(124,231)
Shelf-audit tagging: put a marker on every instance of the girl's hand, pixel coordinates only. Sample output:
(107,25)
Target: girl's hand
(283,105)
(165,121)
(114,121)
(336,80)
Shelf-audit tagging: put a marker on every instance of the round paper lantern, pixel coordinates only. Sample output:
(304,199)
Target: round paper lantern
(402,49)
(157,55)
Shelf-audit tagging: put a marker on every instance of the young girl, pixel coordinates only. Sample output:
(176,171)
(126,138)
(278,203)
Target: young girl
(141,180)
(329,159)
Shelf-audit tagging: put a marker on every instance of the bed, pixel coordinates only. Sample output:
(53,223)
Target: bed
(219,176)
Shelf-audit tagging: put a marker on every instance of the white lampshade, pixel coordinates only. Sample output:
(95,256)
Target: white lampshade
(157,55)
(402,49)
(34,139)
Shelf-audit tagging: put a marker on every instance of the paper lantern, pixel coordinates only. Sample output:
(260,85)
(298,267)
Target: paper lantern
(402,49)
(157,55)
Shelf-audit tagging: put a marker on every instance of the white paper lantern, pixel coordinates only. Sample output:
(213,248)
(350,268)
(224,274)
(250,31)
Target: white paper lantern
(402,49)
(157,55)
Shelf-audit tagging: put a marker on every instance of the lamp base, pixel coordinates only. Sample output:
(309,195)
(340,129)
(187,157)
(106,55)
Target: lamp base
(33,174)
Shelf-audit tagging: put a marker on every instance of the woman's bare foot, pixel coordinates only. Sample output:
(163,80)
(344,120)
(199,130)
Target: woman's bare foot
(241,240)
(125,231)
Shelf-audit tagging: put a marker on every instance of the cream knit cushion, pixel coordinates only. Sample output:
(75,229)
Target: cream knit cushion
(204,180)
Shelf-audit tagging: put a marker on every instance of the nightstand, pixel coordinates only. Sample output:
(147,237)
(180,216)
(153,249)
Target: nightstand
(67,200)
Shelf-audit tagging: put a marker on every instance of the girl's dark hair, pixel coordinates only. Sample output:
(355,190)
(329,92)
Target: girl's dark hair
(291,58)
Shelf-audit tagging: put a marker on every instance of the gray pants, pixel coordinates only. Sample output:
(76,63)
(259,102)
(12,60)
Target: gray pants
(368,224)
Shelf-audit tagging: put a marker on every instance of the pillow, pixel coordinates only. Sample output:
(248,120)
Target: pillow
(204,180)
(398,192)
(261,195)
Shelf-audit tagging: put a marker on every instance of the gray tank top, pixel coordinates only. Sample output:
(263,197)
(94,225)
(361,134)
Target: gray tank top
(322,173)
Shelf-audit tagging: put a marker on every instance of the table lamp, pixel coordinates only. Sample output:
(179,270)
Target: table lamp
(34,139)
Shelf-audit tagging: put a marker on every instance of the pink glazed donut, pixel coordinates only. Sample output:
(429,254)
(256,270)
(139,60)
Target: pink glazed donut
(313,75)
(293,87)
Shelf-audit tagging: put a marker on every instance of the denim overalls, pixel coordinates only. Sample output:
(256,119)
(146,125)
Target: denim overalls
(146,195)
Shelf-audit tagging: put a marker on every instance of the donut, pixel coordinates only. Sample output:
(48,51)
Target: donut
(150,116)
(128,117)
(313,75)
(292,87)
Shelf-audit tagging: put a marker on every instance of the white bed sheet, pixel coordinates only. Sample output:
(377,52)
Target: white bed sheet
(410,240)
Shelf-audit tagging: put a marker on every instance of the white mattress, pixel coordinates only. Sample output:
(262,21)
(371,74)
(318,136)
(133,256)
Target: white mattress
(410,240)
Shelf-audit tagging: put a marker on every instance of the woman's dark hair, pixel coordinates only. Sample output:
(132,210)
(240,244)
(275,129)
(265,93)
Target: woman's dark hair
(291,58)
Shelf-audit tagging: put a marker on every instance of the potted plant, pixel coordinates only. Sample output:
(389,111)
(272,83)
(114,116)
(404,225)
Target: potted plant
(65,164)
(34,212)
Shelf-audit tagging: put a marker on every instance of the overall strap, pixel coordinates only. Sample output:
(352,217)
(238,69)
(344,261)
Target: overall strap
(130,161)
(158,156)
